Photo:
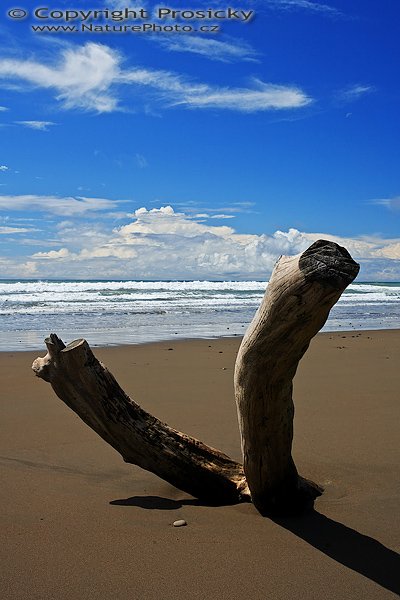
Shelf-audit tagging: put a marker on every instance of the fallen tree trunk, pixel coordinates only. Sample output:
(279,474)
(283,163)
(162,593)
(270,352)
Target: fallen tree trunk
(299,296)
(91,391)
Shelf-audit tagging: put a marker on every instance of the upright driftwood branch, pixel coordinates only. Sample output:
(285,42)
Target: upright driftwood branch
(299,296)
(90,390)
(301,292)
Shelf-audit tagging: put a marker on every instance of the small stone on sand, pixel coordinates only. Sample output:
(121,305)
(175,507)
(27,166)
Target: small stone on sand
(179,523)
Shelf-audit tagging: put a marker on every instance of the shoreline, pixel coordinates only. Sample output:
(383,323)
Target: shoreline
(189,339)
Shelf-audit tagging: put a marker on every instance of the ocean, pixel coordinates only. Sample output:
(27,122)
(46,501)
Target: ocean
(130,312)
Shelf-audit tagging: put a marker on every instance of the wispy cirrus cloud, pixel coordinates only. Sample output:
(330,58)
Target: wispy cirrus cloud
(224,50)
(354,92)
(194,208)
(58,205)
(311,6)
(10,230)
(390,203)
(141,161)
(92,77)
(316,7)
(38,125)
(263,96)
(122,4)
(207,216)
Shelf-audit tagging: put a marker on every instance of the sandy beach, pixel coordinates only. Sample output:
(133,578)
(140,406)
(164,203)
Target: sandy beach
(77,523)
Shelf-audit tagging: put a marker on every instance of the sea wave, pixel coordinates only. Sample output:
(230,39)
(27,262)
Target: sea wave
(148,310)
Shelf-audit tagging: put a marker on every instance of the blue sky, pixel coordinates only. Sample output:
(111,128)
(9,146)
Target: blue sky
(198,155)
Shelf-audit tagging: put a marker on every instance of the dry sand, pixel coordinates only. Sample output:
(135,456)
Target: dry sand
(77,523)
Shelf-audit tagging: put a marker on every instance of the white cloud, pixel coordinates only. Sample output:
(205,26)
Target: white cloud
(264,97)
(53,254)
(91,77)
(9,230)
(207,216)
(391,203)
(39,125)
(4,168)
(165,221)
(236,207)
(17,268)
(176,91)
(141,161)
(305,5)
(122,4)
(161,243)
(225,50)
(354,92)
(82,77)
(371,247)
(390,251)
(58,205)
(3,108)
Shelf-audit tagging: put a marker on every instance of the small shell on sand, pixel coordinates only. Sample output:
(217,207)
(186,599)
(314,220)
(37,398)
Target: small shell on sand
(179,523)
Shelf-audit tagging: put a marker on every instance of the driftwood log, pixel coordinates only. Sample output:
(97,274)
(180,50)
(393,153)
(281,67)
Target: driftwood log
(88,387)
(299,296)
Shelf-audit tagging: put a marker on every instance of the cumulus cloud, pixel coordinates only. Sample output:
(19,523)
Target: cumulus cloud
(53,254)
(364,248)
(4,168)
(17,268)
(91,77)
(38,125)
(161,243)
(81,77)
(58,205)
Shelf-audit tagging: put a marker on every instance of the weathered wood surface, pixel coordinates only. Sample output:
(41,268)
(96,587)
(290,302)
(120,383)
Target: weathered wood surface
(299,296)
(91,391)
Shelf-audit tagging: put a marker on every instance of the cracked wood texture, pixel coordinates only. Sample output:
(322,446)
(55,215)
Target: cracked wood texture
(91,391)
(299,296)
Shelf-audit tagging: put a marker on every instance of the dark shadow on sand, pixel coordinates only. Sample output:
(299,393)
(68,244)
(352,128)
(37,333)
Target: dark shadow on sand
(157,503)
(347,546)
